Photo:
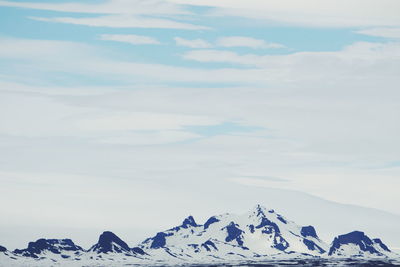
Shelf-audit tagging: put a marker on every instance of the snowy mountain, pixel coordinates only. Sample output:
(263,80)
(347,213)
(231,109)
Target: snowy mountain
(258,235)
(110,243)
(255,234)
(42,247)
(357,244)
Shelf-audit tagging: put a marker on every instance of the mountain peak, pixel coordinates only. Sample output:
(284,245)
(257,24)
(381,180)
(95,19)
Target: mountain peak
(307,231)
(55,246)
(361,243)
(108,235)
(380,243)
(110,242)
(210,221)
(259,210)
(189,221)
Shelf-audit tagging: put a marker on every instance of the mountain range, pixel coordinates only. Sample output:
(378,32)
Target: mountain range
(257,236)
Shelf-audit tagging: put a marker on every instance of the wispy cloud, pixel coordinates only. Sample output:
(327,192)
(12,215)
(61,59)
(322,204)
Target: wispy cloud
(224,56)
(242,41)
(129,38)
(345,65)
(123,21)
(228,42)
(312,13)
(393,33)
(306,64)
(331,182)
(97,125)
(115,13)
(195,43)
(77,58)
(136,7)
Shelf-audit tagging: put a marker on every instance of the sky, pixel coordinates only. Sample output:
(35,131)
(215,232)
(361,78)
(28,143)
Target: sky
(129,115)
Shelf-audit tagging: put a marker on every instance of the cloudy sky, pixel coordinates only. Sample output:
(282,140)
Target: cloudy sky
(129,115)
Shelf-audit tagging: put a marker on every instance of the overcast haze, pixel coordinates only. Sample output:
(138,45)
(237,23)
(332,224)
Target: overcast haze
(130,115)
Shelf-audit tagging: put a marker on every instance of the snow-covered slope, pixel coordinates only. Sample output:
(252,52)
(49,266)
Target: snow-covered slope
(357,244)
(65,248)
(258,235)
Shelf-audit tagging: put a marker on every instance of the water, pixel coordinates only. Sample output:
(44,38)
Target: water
(306,262)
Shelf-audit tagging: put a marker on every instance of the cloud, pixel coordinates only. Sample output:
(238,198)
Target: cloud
(196,43)
(344,66)
(257,180)
(91,123)
(241,41)
(137,7)
(308,127)
(309,13)
(123,21)
(302,65)
(54,90)
(80,59)
(327,184)
(31,49)
(224,56)
(147,138)
(313,13)
(140,121)
(129,38)
(115,13)
(393,33)
(232,41)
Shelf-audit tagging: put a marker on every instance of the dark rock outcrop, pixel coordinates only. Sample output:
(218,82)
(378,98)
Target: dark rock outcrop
(110,243)
(56,246)
(359,239)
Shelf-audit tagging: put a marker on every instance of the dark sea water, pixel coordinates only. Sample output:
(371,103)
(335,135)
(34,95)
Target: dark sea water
(313,262)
